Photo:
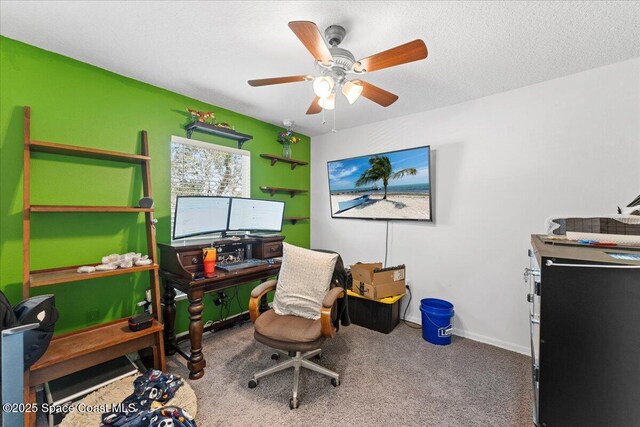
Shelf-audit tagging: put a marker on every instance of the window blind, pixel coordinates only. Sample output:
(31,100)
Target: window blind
(204,169)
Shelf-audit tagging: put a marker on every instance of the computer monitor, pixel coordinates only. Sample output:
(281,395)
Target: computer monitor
(255,215)
(198,215)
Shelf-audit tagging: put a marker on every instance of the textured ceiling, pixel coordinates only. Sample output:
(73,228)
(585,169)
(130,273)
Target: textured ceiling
(208,50)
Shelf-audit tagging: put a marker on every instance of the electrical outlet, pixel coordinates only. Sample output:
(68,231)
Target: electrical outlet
(93,316)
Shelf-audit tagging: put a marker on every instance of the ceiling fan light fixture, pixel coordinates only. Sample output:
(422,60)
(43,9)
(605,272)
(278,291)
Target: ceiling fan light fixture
(328,103)
(323,85)
(351,91)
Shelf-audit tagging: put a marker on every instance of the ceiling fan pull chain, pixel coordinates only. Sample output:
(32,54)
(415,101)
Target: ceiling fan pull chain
(334,120)
(323,120)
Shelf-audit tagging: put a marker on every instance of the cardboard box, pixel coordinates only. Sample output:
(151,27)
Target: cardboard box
(377,285)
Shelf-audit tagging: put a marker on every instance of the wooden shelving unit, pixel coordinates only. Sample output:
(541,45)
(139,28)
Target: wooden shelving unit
(276,159)
(294,219)
(218,131)
(87,347)
(291,191)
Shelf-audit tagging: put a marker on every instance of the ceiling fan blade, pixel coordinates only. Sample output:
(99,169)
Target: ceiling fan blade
(277,80)
(376,94)
(408,52)
(310,36)
(314,108)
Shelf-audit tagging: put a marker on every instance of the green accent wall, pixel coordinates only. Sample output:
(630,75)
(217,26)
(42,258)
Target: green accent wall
(78,104)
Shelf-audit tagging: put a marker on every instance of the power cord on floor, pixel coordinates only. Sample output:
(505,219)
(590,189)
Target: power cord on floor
(404,316)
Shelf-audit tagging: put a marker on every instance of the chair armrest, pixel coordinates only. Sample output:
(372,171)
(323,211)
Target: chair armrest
(331,297)
(327,328)
(256,295)
(262,288)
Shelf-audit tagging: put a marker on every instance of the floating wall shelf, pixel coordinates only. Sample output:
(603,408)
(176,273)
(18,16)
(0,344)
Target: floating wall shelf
(276,159)
(218,131)
(274,190)
(294,219)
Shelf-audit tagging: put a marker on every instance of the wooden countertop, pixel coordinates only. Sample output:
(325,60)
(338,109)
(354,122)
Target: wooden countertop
(545,247)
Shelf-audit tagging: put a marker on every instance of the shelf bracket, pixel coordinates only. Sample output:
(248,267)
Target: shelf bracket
(293,166)
(274,161)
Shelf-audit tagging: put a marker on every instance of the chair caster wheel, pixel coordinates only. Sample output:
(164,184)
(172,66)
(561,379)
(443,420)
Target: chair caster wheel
(275,356)
(253,383)
(318,356)
(293,404)
(335,382)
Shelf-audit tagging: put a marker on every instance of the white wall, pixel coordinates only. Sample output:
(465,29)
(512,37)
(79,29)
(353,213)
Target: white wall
(502,165)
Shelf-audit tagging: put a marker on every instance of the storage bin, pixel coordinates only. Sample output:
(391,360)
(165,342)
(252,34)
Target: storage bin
(379,315)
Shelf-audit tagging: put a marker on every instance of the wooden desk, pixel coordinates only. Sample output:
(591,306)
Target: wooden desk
(195,290)
(181,265)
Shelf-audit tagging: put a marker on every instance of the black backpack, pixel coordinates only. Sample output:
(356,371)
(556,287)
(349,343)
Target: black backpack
(39,309)
(7,316)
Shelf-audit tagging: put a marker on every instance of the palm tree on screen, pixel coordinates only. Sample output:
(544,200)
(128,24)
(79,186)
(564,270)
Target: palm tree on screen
(381,170)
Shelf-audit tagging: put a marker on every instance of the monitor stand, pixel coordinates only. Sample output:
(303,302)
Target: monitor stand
(190,241)
(265,234)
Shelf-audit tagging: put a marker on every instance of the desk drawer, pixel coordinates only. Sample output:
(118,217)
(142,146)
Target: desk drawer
(273,249)
(191,258)
(267,250)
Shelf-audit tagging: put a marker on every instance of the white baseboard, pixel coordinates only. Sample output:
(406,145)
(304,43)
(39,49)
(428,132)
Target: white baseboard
(482,338)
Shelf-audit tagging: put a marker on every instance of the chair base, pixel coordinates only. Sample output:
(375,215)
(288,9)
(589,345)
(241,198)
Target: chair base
(297,361)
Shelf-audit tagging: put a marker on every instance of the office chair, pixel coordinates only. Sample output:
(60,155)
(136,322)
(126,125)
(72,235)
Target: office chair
(297,338)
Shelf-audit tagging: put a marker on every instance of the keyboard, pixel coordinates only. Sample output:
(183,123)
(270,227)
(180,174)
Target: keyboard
(247,263)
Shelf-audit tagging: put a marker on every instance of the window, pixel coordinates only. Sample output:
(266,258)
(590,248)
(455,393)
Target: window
(204,169)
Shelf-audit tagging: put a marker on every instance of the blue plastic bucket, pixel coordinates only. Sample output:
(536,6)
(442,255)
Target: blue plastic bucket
(437,320)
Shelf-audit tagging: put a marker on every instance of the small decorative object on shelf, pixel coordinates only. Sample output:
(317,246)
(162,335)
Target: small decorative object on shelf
(114,261)
(202,116)
(287,138)
(208,117)
(223,125)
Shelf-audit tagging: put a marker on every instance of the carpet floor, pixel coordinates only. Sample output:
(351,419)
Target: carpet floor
(397,379)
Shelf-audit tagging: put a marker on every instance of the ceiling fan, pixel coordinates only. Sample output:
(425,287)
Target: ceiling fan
(335,64)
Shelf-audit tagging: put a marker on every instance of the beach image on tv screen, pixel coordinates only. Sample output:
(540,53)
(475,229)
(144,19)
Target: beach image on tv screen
(393,185)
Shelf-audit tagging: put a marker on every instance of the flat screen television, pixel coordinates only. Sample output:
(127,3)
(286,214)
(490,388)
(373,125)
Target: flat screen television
(199,215)
(255,215)
(395,185)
